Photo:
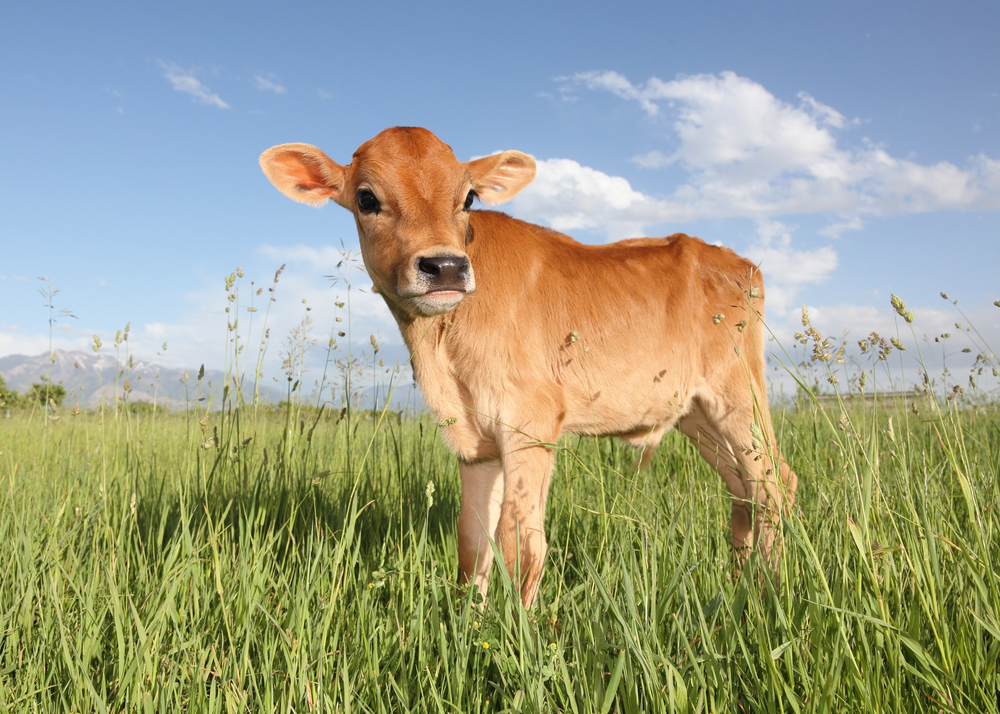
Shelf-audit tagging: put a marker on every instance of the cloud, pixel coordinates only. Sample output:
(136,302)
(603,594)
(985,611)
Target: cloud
(787,270)
(750,154)
(267,85)
(937,338)
(835,230)
(16,341)
(184,81)
(655,159)
(569,196)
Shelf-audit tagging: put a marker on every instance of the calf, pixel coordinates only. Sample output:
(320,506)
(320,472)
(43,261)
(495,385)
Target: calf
(519,334)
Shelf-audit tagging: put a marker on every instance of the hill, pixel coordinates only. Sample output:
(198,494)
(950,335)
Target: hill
(89,377)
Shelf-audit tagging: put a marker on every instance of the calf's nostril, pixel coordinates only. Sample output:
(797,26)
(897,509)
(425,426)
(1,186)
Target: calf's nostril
(431,266)
(445,268)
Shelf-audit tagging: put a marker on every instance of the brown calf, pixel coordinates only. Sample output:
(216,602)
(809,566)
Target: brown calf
(519,334)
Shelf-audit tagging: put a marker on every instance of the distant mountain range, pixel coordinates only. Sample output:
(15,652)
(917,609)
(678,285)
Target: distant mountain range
(88,377)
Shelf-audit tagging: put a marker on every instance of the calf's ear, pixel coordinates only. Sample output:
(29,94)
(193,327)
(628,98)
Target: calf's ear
(304,173)
(500,177)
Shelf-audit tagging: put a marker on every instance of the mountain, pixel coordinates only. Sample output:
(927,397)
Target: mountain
(88,376)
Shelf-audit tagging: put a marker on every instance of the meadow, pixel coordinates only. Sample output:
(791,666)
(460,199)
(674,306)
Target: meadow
(302,558)
(295,559)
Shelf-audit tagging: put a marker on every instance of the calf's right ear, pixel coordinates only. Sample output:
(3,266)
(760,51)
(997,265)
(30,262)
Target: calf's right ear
(304,173)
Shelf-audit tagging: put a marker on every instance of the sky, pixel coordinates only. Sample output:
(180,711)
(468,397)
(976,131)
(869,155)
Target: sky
(852,149)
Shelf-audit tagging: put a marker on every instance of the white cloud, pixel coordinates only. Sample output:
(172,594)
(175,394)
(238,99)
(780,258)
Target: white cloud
(267,85)
(568,196)
(836,230)
(15,341)
(786,269)
(846,323)
(184,81)
(322,94)
(750,154)
(655,159)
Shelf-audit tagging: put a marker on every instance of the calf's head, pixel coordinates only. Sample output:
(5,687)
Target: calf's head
(410,198)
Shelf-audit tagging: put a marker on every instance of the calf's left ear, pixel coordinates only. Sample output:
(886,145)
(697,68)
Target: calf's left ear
(303,173)
(500,177)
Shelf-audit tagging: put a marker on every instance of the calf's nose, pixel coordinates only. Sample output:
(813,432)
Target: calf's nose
(446,272)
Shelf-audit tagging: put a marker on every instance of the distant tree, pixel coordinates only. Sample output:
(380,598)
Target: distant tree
(42,392)
(8,397)
(141,407)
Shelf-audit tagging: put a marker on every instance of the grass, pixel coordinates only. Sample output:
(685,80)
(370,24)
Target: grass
(266,560)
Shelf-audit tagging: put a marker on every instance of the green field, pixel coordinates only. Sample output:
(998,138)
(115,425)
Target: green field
(289,560)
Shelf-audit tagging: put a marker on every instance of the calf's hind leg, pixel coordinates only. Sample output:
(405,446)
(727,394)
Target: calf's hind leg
(760,482)
(718,452)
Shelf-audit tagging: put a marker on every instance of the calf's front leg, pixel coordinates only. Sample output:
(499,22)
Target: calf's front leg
(482,499)
(527,466)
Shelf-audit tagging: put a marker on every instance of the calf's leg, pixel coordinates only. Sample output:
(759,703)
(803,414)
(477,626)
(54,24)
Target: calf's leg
(769,484)
(718,452)
(760,482)
(527,467)
(482,499)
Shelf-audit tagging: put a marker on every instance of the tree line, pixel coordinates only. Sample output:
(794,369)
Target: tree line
(42,393)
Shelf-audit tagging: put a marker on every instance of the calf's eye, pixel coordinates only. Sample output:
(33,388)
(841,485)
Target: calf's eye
(469,199)
(367,203)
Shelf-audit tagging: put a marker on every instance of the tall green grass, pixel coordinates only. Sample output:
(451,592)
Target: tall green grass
(255,559)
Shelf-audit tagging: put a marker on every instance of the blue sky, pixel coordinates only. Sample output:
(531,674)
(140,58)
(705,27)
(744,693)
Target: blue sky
(853,149)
